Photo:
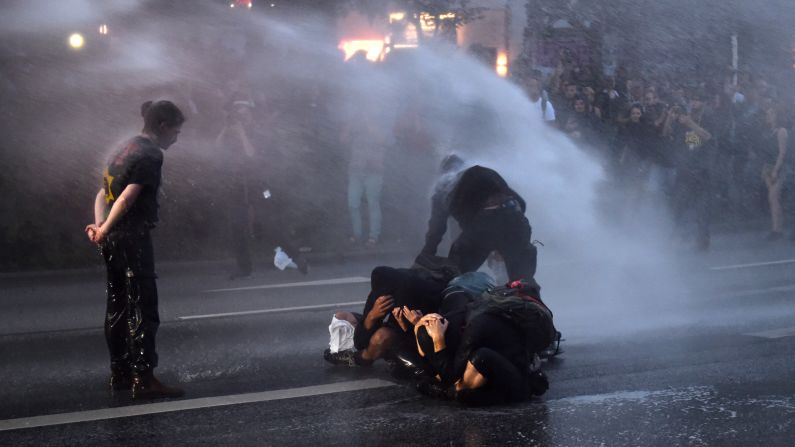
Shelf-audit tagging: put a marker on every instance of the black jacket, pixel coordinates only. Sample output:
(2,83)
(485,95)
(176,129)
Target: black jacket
(463,196)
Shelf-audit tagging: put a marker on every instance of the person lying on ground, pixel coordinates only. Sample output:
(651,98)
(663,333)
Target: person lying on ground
(495,359)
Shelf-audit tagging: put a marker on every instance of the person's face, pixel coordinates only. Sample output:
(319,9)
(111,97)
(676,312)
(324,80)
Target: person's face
(571,90)
(591,95)
(649,99)
(168,135)
(635,114)
(696,104)
(579,106)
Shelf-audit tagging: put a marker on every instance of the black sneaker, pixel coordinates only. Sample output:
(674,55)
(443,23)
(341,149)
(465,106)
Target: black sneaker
(343,358)
(538,384)
(302,265)
(434,389)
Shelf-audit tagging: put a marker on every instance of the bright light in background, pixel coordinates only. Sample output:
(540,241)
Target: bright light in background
(76,41)
(241,4)
(396,16)
(103,29)
(374,48)
(502,65)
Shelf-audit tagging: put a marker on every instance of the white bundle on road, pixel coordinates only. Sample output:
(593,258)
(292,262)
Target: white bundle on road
(282,260)
(341,332)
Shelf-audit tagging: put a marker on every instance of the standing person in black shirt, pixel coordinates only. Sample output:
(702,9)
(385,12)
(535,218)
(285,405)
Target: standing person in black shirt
(125,210)
(491,217)
(692,139)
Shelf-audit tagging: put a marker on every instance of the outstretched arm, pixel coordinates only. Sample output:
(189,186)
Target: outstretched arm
(437,225)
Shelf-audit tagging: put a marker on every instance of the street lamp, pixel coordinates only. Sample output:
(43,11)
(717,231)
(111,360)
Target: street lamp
(76,41)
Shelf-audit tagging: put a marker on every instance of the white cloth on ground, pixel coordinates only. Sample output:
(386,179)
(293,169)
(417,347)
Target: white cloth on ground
(341,332)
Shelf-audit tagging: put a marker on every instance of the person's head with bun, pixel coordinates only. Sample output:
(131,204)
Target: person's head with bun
(162,122)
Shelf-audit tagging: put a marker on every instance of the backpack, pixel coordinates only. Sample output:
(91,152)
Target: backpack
(519,304)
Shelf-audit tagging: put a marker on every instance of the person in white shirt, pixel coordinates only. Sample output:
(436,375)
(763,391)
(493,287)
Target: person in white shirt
(538,96)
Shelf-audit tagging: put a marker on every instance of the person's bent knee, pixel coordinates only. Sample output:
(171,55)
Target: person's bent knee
(347,316)
(382,337)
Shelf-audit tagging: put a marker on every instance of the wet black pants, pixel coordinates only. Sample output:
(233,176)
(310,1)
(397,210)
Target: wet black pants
(131,319)
(506,231)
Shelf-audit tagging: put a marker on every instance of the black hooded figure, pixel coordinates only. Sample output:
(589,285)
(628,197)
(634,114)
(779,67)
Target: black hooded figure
(491,217)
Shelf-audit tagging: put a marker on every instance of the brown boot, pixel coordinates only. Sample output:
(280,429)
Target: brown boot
(146,386)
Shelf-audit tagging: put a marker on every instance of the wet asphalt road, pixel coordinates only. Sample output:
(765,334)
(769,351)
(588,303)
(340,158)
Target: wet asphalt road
(684,350)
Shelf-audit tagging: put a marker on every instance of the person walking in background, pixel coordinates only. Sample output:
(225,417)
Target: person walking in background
(250,196)
(125,210)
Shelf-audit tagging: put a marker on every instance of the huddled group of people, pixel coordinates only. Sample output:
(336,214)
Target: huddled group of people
(703,146)
(446,327)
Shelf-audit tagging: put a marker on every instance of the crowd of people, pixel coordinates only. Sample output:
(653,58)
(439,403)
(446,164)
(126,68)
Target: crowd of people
(703,147)
(706,148)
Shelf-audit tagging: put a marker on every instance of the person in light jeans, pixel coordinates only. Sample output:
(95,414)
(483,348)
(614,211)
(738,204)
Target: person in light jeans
(368,185)
(368,145)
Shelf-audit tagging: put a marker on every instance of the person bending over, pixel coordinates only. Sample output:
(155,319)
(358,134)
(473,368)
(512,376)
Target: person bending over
(491,217)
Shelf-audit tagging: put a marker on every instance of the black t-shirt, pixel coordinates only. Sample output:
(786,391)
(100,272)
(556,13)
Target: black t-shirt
(138,161)
(693,153)
(637,139)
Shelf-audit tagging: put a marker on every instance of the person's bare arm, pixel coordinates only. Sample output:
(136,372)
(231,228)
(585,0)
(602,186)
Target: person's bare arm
(700,131)
(122,204)
(436,329)
(782,137)
(247,146)
(100,206)
(383,305)
(668,124)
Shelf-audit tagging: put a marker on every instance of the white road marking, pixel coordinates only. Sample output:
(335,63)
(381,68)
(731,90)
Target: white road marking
(189,404)
(755,264)
(321,282)
(754,292)
(775,333)
(269,311)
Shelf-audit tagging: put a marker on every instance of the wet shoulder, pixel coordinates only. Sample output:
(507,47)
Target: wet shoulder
(147,149)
